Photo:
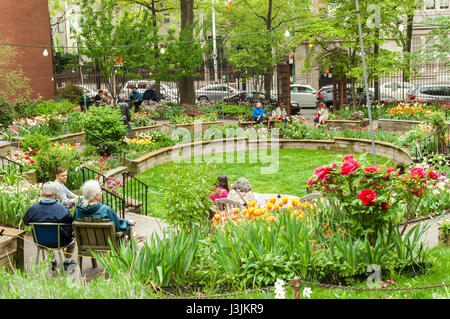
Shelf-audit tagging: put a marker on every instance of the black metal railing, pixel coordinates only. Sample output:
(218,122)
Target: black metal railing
(91,174)
(135,193)
(438,142)
(10,165)
(116,202)
(109,146)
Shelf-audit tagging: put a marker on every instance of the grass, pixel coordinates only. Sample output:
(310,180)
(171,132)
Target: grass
(294,169)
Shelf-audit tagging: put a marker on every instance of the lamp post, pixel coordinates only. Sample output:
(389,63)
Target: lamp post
(214,43)
(366,83)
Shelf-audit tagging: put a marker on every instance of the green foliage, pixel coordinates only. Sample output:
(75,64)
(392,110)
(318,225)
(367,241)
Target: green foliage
(52,107)
(48,160)
(7,113)
(70,92)
(106,124)
(182,119)
(75,121)
(36,142)
(186,195)
(14,202)
(445,227)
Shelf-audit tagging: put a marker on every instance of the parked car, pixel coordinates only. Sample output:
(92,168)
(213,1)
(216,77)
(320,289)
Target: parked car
(214,93)
(303,96)
(431,93)
(166,93)
(325,95)
(251,98)
(395,90)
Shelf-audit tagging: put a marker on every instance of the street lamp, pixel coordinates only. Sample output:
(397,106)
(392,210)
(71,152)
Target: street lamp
(45,53)
(286,33)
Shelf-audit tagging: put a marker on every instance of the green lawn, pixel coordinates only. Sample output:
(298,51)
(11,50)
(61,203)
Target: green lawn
(294,169)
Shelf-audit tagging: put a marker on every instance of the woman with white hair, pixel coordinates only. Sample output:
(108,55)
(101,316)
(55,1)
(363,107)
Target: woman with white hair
(92,206)
(241,191)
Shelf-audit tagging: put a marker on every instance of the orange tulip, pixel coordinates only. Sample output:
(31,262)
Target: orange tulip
(270,205)
(273,199)
(270,219)
(252,204)
(251,211)
(235,211)
(276,207)
(285,200)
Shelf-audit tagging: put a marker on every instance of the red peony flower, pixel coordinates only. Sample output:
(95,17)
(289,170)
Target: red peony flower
(367,197)
(311,182)
(371,169)
(433,175)
(72,145)
(347,157)
(349,167)
(322,173)
(417,173)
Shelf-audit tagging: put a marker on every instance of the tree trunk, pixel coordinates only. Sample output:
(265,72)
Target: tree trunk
(376,50)
(407,48)
(187,94)
(284,86)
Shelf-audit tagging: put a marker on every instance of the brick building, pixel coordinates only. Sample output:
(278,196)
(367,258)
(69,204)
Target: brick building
(27,22)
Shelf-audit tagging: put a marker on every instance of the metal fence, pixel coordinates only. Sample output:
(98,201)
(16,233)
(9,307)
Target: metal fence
(10,165)
(135,193)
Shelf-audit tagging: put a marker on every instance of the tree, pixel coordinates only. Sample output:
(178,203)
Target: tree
(109,34)
(14,86)
(264,45)
(338,43)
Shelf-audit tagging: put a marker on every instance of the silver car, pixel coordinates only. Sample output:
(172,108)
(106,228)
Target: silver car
(431,93)
(303,95)
(214,93)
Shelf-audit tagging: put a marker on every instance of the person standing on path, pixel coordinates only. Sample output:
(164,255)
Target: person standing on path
(125,112)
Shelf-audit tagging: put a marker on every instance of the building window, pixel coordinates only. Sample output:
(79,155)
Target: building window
(61,26)
(430,4)
(444,4)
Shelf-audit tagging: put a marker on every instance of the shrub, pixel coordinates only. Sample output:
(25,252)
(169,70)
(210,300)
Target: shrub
(36,142)
(47,161)
(186,194)
(25,108)
(107,129)
(75,121)
(70,92)
(53,107)
(7,113)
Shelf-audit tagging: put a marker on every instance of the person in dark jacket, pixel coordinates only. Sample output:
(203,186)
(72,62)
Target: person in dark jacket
(48,210)
(125,112)
(135,99)
(149,95)
(98,97)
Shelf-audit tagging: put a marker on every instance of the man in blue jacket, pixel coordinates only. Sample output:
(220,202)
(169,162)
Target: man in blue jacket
(258,113)
(48,210)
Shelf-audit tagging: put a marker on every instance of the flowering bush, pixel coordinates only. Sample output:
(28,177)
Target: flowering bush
(113,185)
(367,194)
(25,158)
(409,111)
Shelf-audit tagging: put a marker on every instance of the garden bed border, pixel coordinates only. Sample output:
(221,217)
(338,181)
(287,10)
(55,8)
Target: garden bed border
(338,145)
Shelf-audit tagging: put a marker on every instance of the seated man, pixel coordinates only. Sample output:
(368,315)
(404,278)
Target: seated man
(48,210)
(135,99)
(65,196)
(258,113)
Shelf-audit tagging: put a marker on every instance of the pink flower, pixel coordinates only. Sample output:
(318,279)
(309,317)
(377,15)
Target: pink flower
(417,173)
(322,173)
(347,157)
(311,182)
(371,169)
(367,197)
(433,175)
(349,167)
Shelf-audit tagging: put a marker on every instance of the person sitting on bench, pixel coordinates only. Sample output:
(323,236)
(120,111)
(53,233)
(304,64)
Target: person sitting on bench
(258,113)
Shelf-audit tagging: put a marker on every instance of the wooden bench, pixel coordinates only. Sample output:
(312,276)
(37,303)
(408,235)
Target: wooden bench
(246,124)
(92,234)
